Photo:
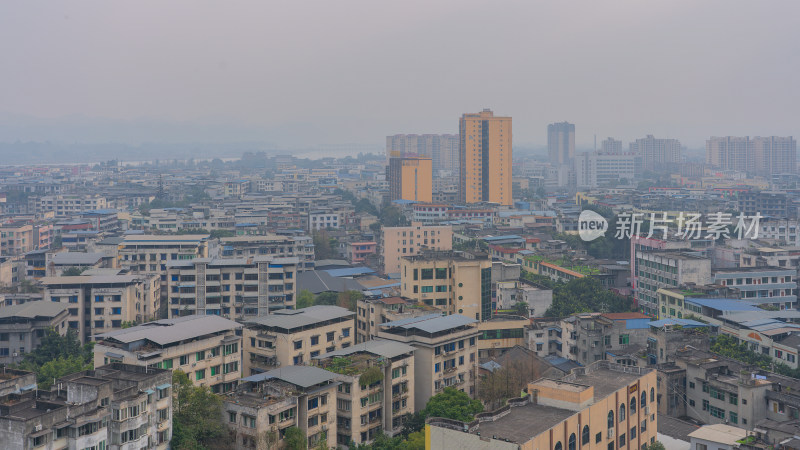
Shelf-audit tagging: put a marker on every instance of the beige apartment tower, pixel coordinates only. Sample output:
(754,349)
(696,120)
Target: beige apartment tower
(485,158)
(410,179)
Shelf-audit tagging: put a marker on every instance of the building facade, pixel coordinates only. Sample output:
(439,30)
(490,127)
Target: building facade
(485,158)
(561,143)
(399,242)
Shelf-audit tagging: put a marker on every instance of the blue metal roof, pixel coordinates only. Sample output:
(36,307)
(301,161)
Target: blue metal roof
(637,324)
(724,304)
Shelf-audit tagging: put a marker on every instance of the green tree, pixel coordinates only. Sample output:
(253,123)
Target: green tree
(327,298)
(322,245)
(391,216)
(452,404)
(305,299)
(585,295)
(295,439)
(349,299)
(522,308)
(73,271)
(656,446)
(216,234)
(59,367)
(57,356)
(197,416)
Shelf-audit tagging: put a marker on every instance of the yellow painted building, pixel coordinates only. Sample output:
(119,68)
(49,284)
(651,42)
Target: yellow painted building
(411,178)
(485,158)
(598,407)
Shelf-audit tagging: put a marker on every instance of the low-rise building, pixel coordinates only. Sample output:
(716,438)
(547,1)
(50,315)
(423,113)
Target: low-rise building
(453,282)
(301,247)
(260,410)
(150,253)
(371,312)
(116,406)
(206,348)
(294,336)
(445,353)
(501,333)
(234,288)
(101,303)
(399,242)
(376,390)
(23,326)
(601,406)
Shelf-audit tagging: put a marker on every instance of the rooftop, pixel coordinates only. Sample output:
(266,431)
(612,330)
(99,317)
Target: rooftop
(31,310)
(296,318)
(76,258)
(377,347)
(720,433)
(167,331)
(431,323)
(303,376)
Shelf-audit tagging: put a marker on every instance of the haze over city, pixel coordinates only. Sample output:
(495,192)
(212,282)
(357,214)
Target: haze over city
(305,74)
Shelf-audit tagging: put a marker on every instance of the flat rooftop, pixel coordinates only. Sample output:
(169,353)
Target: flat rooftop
(525,422)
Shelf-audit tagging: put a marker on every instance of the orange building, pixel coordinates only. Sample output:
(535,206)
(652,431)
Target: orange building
(485,158)
(410,178)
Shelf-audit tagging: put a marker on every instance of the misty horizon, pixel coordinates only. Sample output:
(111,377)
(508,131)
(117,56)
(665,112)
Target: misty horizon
(304,76)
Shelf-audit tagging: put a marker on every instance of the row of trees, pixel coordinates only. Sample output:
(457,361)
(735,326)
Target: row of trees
(727,346)
(346,299)
(585,295)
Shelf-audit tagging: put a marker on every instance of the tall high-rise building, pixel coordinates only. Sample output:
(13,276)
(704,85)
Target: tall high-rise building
(410,178)
(485,158)
(561,142)
(611,145)
(756,156)
(441,148)
(655,153)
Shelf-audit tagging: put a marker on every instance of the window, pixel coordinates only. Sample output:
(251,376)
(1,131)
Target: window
(437,367)
(734,418)
(313,402)
(201,355)
(621,412)
(231,417)
(652,395)
(633,407)
(621,440)
(199,374)
(184,360)
(585,435)
(558,446)
(644,400)
(598,437)
(633,433)
(427,274)
(572,443)
(314,340)
(624,339)
(611,419)
(330,336)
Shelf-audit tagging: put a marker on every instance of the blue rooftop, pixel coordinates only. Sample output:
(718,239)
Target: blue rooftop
(501,238)
(724,304)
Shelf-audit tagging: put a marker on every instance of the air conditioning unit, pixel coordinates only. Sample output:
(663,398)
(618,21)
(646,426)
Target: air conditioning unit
(15,354)
(594,345)
(38,427)
(341,336)
(610,433)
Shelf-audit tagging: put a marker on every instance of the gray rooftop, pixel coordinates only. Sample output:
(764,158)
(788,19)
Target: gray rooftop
(76,258)
(296,318)
(303,376)
(167,331)
(431,323)
(30,310)
(524,423)
(379,347)
(92,279)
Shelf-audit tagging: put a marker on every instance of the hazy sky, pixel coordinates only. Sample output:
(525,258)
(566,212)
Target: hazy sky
(329,72)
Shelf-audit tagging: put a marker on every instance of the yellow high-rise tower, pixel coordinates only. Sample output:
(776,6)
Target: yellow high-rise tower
(485,158)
